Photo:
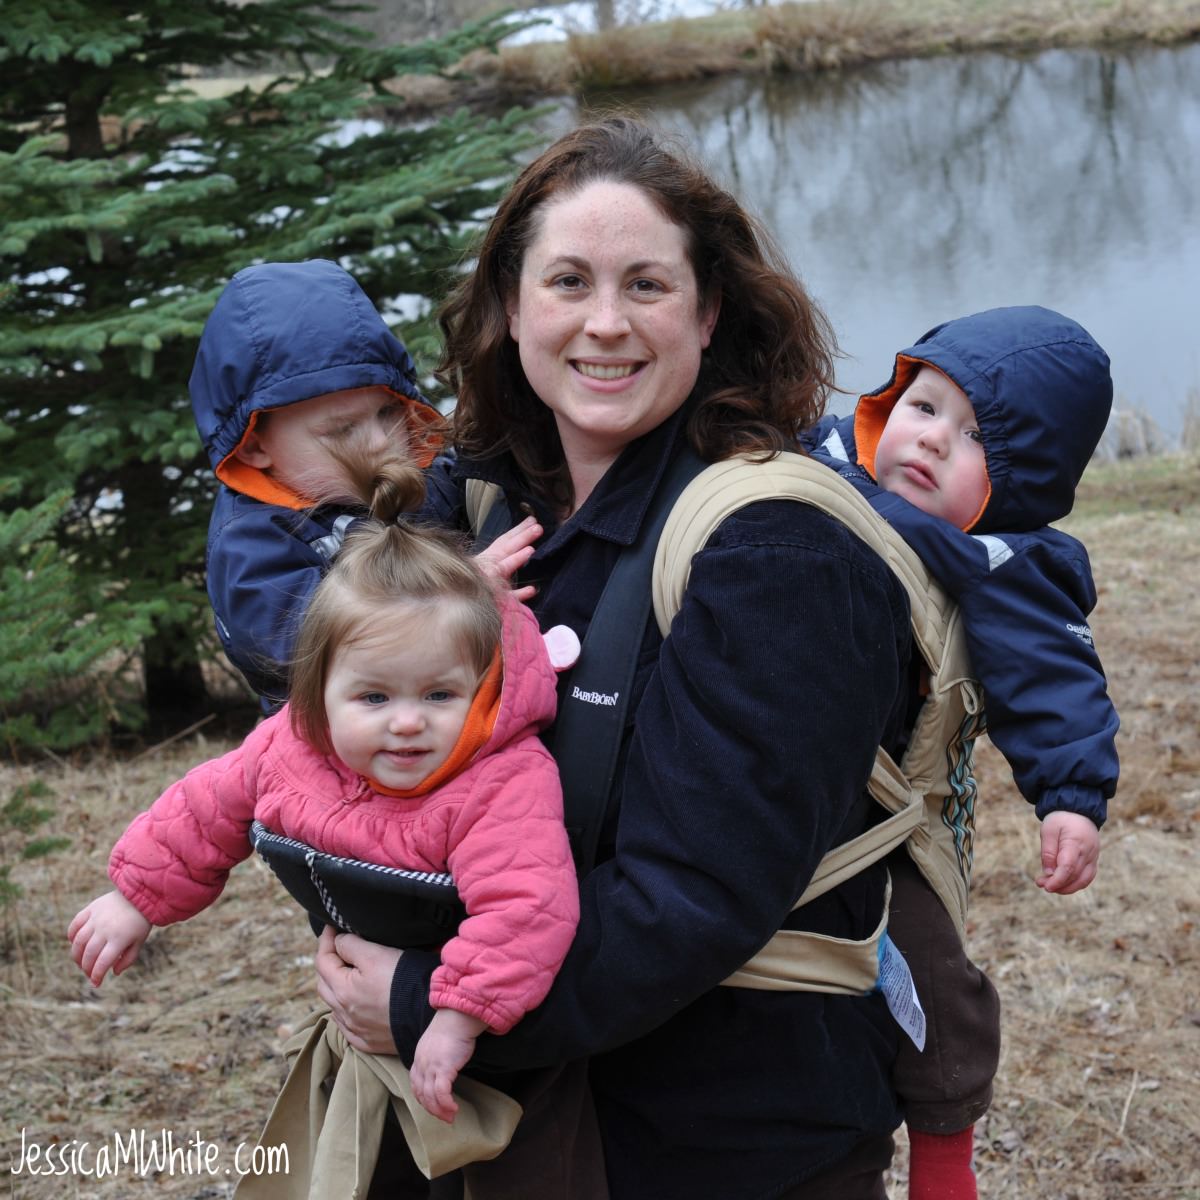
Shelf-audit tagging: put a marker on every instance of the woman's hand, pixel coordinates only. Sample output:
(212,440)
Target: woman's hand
(354,977)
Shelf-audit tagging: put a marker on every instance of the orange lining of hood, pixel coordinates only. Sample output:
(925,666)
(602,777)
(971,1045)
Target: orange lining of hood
(477,728)
(872,412)
(425,425)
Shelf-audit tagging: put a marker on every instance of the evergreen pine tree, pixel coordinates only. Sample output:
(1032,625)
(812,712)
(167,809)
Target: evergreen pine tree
(126,203)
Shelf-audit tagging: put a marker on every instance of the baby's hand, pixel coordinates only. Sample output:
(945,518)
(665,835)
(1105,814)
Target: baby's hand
(1070,853)
(509,553)
(105,935)
(444,1049)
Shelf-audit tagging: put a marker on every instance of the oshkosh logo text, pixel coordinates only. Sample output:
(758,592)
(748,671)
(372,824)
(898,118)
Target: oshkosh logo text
(602,698)
(1082,632)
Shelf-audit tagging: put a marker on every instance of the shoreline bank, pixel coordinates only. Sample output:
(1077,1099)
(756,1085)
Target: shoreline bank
(817,36)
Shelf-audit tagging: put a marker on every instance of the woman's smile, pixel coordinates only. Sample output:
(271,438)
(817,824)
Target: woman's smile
(606,371)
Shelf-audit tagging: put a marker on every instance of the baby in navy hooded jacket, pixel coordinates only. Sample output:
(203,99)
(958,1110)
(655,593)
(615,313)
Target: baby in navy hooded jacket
(973,447)
(293,361)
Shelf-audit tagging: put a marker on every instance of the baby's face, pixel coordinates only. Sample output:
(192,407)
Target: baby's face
(931,453)
(293,444)
(396,701)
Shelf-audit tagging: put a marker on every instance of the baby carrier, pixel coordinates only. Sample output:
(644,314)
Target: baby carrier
(929,795)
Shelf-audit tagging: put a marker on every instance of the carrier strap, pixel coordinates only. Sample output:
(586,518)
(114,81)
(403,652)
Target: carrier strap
(795,959)
(688,506)
(594,701)
(723,488)
(487,519)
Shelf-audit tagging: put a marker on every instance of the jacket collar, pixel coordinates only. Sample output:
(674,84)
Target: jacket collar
(616,509)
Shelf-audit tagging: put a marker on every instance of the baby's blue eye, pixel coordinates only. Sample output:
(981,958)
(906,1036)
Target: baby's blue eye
(439,697)
(975,436)
(374,698)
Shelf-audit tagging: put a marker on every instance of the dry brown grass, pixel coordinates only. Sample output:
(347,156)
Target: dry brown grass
(825,35)
(1096,1097)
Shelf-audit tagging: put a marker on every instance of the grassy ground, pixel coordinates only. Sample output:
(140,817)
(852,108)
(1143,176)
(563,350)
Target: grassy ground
(1096,1097)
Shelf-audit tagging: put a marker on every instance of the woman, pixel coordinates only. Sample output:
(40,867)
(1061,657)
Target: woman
(624,308)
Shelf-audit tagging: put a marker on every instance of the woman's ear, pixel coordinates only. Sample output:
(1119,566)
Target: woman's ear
(250,451)
(708,317)
(512,309)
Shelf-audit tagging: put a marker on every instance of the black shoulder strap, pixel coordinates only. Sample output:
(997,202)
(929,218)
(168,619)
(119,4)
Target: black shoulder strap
(592,712)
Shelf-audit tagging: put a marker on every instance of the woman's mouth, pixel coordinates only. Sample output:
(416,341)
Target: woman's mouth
(605,370)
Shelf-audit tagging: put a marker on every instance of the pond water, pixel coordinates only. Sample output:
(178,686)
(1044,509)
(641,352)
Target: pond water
(910,192)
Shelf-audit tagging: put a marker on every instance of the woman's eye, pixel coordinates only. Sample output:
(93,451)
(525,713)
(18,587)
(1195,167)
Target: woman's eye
(646,287)
(570,283)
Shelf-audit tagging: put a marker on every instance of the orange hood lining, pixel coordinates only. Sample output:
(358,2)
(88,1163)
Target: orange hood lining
(872,412)
(426,435)
(476,730)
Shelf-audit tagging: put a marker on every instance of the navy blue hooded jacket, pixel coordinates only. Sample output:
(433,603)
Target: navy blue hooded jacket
(282,333)
(1041,391)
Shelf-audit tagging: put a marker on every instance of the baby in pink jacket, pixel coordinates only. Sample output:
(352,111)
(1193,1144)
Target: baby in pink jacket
(409,739)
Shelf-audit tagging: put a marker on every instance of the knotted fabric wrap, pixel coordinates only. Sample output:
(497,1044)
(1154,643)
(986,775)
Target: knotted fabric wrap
(333,1136)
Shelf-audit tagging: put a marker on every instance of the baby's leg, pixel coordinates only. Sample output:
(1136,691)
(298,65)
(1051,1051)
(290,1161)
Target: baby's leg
(946,1087)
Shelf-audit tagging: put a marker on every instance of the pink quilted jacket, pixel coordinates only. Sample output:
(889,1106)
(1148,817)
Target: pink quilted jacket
(497,827)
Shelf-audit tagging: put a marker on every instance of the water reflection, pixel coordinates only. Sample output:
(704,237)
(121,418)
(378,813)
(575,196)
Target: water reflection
(914,191)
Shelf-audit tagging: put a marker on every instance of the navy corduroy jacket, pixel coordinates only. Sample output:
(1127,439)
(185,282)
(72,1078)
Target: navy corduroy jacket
(745,760)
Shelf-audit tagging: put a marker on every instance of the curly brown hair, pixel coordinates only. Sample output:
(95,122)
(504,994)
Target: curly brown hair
(765,375)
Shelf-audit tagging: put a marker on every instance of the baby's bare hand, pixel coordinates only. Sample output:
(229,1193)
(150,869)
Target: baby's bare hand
(1070,853)
(509,553)
(106,936)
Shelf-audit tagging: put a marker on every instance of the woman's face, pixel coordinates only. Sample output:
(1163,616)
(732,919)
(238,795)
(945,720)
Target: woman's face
(608,318)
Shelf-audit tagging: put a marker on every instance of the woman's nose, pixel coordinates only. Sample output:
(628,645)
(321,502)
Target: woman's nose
(606,317)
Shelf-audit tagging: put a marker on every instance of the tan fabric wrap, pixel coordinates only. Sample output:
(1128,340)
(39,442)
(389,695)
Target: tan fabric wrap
(480,497)
(935,825)
(333,1137)
(797,961)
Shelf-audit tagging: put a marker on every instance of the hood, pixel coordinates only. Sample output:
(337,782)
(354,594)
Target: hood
(1041,390)
(284,332)
(529,692)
